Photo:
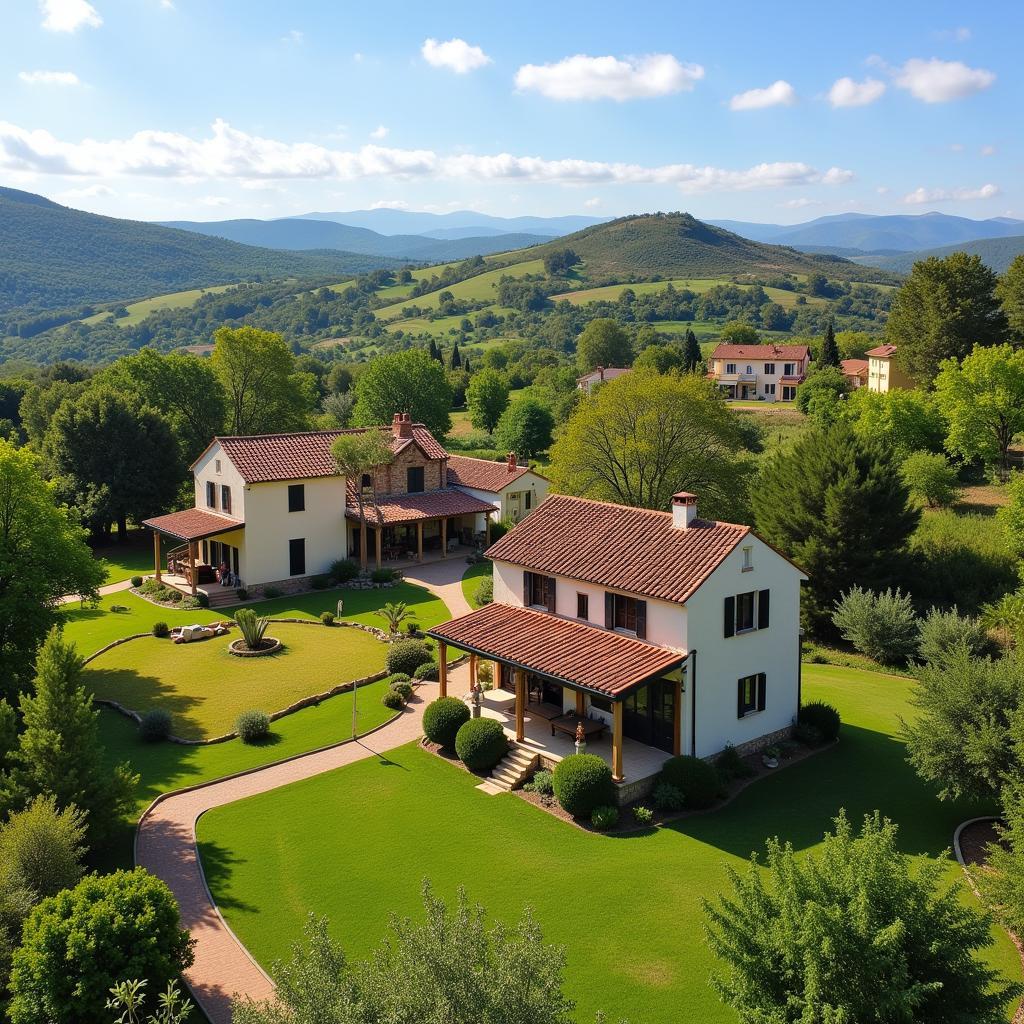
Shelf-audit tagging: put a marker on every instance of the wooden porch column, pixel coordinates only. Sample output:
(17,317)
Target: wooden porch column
(363,529)
(520,704)
(419,540)
(472,670)
(156,555)
(379,539)
(677,720)
(444,537)
(580,703)
(192,565)
(617,774)
(487,530)
(442,668)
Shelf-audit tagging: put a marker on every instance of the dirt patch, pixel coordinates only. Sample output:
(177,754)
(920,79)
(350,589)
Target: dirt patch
(975,840)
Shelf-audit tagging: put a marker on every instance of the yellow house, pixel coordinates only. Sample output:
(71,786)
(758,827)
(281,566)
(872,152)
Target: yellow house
(883,372)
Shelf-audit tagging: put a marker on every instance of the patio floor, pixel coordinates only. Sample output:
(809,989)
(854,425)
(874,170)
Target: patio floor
(639,761)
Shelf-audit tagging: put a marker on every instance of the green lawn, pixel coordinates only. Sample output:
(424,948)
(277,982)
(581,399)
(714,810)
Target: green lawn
(132,558)
(628,909)
(471,580)
(205,687)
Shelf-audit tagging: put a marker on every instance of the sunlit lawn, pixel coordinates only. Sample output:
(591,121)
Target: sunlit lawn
(471,580)
(628,909)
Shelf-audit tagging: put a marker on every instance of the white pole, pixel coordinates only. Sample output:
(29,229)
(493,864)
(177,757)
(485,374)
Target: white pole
(354,688)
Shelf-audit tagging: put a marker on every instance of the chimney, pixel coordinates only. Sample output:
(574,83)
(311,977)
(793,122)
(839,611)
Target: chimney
(684,509)
(600,372)
(512,464)
(396,425)
(401,425)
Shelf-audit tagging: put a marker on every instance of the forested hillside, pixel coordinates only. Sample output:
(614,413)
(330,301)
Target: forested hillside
(997,253)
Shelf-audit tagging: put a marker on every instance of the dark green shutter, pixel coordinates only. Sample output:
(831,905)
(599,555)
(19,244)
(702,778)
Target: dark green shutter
(609,610)
(762,609)
(730,616)
(527,578)
(551,594)
(739,698)
(641,619)
(762,685)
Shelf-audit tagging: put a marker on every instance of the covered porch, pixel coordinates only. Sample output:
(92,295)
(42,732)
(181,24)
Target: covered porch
(555,677)
(198,561)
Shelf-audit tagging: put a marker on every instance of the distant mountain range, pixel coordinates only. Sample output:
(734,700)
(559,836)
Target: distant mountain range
(855,234)
(456,224)
(997,253)
(299,233)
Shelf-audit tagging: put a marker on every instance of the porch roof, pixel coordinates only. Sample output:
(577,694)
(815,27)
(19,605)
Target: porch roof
(578,655)
(193,524)
(394,509)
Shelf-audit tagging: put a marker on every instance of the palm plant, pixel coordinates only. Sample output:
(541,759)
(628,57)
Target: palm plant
(395,613)
(252,628)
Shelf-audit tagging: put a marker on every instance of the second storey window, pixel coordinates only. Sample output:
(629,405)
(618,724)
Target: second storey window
(625,613)
(414,479)
(296,497)
(787,369)
(582,606)
(211,494)
(225,497)
(538,591)
(746,612)
(730,367)
(769,369)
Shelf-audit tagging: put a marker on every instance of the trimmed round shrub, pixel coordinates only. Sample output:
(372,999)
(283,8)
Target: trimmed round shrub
(427,671)
(343,570)
(175,596)
(442,719)
(136,581)
(327,618)
(484,593)
(481,743)
(643,815)
(253,726)
(402,688)
(400,677)
(407,656)
(822,717)
(242,594)
(583,782)
(604,817)
(161,629)
(203,599)
(697,780)
(392,699)
(667,798)
(155,725)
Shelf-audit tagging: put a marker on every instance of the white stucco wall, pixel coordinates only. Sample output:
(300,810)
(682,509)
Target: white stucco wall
(206,470)
(506,506)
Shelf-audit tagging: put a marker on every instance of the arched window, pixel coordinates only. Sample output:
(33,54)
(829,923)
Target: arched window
(750,369)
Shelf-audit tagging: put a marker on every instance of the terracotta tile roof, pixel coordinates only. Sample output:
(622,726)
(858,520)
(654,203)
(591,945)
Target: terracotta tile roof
(882,352)
(262,458)
(608,373)
(408,508)
(574,652)
(791,380)
(796,352)
(854,367)
(482,474)
(193,524)
(632,549)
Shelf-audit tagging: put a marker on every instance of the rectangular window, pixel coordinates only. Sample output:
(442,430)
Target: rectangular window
(769,369)
(625,613)
(746,612)
(769,389)
(730,367)
(748,559)
(297,557)
(787,369)
(225,497)
(750,694)
(745,605)
(538,591)
(582,606)
(526,500)
(788,393)
(216,466)
(414,479)
(296,497)
(211,494)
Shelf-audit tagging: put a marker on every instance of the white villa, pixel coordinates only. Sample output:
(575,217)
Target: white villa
(273,510)
(767,372)
(884,373)
(675,634)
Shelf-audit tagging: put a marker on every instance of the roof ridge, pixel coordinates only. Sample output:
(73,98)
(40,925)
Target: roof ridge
(641,508)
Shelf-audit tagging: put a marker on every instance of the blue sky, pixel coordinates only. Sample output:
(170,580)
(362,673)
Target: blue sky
(773,112)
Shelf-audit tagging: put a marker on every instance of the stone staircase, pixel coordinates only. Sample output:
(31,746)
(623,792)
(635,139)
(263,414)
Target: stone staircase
(220,596)
(514,768)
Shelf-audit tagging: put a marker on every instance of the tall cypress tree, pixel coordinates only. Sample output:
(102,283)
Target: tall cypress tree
(456,358)
(435,352)
(829,349)
(837,505)
(691,352)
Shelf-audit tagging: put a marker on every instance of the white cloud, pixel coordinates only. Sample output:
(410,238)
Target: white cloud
(945,195)
(294,35)
(592,202)
(956,147)
(845,92)
(455,54)
(939,81)
(801,203)
(883,190)
(68,15)
(609,78)
(215,201)
(86,192)
(380,132)
(235,155)
(779,93)
(49,77)
(988,151)
(389,204)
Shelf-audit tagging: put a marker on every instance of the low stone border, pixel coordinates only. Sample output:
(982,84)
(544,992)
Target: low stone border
(273,646)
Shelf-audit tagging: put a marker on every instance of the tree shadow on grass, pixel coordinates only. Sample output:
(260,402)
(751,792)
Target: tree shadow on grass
(218,864)
(141,692)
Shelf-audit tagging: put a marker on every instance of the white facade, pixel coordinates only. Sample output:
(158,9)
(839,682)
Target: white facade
(514,502)
(759,378)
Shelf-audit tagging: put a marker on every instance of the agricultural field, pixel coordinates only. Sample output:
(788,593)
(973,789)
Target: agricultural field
(443,325)
(611,292)
(138,311)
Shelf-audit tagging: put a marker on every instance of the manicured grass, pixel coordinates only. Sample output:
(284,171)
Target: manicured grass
(627,909)
(132,558)
(205,687)
(471,580)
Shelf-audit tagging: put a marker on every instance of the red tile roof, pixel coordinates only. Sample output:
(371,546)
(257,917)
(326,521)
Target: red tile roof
(482,474)
(262,458)
(795,352)
(408,508)
(608,373)
(854,367)
(573,652)
(882,352)
(193,524)
(632,549)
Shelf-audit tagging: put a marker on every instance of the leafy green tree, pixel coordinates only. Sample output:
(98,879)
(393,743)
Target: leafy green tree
(404,382)
(43,555)
(736,332)
(821,394)
(829,355)
(983,402)
(905,420)
(822,501)
(131,923)
(358,454)
(882,626)
(642,437)
(59,753)
(487,398)
(525,427)
(961,738)
(451,967)
(1002,884)
(692,356)
(603,343)
(1010,291)
(941,311)
(660,359)
(941,631)
(1011,515)
(41,402)
(112,460)
(257,371)
(931,479)
(857,932)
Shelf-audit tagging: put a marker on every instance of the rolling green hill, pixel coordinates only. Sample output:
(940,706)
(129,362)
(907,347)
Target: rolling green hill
(678,245)
(997,253)
(53,257)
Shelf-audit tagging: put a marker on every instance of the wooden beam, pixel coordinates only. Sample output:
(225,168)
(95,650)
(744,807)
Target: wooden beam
(419,540)
(156,555)
(379,534)
(363,529)
(520,704)
(617,773)
(444,536)
(442,668)
(677,719)
(487,530)
(472,670)
(580,703)
(192,565)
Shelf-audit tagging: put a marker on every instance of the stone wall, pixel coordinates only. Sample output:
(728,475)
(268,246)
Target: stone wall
(393,478)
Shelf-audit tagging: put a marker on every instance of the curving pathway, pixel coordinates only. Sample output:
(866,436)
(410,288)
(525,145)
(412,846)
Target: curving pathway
(165,842)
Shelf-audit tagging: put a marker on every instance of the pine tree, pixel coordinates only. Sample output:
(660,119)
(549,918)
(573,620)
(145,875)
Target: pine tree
(691,352)
(456,358)
(829,350)
(466,366)
(435,352)
(59,752)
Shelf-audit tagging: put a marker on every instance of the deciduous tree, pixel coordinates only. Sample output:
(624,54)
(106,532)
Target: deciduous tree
(1010,291)
(905,420)
(525,427)
(603,343)
(357,454)
(404,382)
(487,398)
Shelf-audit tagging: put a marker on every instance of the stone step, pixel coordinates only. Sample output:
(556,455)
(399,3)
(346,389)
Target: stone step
(517,758)
(505,775)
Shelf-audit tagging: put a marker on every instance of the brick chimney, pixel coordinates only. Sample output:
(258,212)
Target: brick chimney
(401,425)
(684,509)
(513,465)
(600,373)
